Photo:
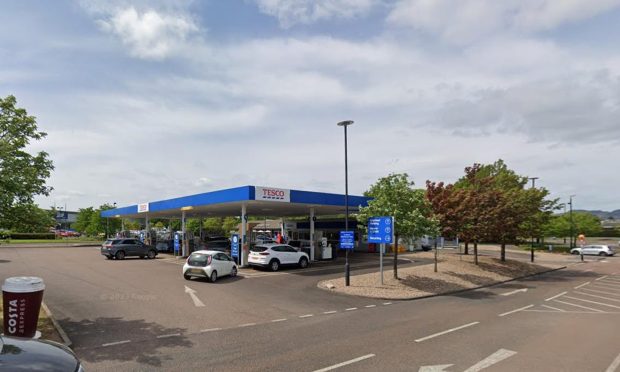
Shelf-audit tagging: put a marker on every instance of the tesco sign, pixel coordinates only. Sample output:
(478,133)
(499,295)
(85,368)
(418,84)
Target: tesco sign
(272,194)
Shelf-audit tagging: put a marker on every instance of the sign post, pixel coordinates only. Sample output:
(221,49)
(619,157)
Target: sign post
(381,230)
(177,244)
(234,246)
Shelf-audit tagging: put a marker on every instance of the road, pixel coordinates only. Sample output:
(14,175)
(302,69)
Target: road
(136,315)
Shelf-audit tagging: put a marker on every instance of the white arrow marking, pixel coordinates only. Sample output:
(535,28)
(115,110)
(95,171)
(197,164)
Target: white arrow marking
(192,294)
(515,291)
(494,358)
(437,368)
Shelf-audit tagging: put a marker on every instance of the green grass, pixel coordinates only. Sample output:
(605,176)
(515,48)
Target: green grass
(36,241)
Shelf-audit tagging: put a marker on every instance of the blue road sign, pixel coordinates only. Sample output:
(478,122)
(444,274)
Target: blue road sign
(176,242)
(234,245)
(347,240)
(380,229)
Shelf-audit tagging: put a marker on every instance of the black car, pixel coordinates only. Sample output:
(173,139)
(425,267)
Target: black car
(217,245)
(121,248)
(25,354)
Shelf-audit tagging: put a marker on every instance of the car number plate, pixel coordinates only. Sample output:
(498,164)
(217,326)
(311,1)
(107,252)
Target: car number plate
(196,271)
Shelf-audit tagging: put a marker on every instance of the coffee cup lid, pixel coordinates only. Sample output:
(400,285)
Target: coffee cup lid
(23,284)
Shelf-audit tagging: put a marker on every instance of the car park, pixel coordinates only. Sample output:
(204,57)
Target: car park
(26,354)
(273,256)
(121,248)
(209,264)
(594,249)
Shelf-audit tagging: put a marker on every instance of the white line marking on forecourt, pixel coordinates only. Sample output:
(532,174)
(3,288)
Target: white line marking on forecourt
(494,358)
(345,363)
(614,365)
(602,277)
(116,343)
(447,331)
(556,296)
(329,312)
(306,316)
(210,330)
(351,309)
(278,320)
(170,335)
(584,284)
(593,302)
(517,310)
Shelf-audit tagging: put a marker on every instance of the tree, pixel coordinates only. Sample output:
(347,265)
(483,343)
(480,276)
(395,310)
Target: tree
(28,218)
(583,222)
(230,224)
(22,175)
(83,219)
(395,196)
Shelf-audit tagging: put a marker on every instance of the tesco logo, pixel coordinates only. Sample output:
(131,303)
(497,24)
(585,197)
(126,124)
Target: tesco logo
(270,193)
(273,193)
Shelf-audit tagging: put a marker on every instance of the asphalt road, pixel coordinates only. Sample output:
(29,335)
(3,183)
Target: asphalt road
(136,315)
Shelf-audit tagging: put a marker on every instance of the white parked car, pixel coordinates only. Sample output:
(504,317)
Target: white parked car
(210,265)
(594,249)
(273,256)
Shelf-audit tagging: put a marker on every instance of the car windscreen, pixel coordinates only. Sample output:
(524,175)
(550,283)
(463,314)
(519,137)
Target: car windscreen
(199,259)
(258,248)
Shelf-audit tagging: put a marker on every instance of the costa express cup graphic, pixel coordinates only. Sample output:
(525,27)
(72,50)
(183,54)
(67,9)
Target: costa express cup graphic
(21,298)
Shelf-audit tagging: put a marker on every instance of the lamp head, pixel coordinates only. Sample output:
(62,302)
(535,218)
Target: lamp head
(345,123)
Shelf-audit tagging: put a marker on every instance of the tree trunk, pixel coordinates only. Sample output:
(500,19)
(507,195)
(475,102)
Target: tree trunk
(466,247)
(435,254)
(503,252)
(476,252)
(396,257)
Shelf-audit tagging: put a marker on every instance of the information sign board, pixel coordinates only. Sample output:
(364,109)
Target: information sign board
(234,245)
(380,229)
(347,240)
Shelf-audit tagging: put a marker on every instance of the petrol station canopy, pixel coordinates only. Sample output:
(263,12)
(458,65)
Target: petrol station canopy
(256,200)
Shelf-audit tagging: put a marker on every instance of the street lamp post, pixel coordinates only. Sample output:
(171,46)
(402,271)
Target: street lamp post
(532,243)
(572,232)
(345,124)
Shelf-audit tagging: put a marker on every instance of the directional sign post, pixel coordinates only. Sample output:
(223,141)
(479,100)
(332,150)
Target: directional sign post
(177,244)
(234,246)
(347,240)
(380,231)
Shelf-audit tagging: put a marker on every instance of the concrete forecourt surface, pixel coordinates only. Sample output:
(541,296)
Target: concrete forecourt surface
(141,315)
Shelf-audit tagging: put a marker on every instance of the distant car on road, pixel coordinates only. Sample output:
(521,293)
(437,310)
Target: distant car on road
(273,256)
(121,248)
(210,265)
(25,354)
(594,249)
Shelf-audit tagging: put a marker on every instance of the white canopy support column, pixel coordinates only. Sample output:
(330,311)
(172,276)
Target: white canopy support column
(312,234)
(244,243)
(184,242)
(147,227)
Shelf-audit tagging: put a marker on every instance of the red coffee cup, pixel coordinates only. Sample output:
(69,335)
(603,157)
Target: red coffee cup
(21,301)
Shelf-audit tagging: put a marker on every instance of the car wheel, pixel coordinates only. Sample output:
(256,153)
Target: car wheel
(109,257)
(187,277)
(120,255)
(574,252)
(142,257)
(303,262)
(151,255)
(602,254)
(213,276)
(233,272)
(274,265)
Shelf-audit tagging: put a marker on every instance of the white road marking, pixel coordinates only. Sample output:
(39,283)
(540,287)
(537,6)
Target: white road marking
(435,368)
(573,312)
(351,309)
(612,279)
(515,291)
(593,302)
(517,310)
(494,358)
(246,325)
(210,330)
(345,363)
(604,285)
(582,285)
(611,283)
(116,343)
(597,296)
(330,312)
(192,294)
(306,316)
(554,308)
(602,277)
(387,303)
(278,320)
(583,307)
(369,306)
(614,365)
(445,332)
(603,292)
(556,296)
(169,335)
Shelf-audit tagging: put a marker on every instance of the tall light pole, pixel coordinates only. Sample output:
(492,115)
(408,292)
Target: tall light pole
(532,244)
(345,124)
(572,233)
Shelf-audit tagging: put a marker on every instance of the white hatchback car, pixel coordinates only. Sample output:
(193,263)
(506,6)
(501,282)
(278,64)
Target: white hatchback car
(594,249)
(273,256)
(210,265)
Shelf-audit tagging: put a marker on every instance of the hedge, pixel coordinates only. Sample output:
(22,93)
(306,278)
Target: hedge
(23,236)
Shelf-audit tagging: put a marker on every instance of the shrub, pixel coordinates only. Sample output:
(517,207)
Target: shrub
(24,236)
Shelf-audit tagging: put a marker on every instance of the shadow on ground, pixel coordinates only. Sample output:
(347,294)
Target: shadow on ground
(144,347)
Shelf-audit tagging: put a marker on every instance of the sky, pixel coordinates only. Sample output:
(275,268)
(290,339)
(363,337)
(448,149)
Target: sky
(148,100)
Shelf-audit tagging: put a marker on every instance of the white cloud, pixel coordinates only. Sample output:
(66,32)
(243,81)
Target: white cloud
(148,34)
(466,21)
(291,12)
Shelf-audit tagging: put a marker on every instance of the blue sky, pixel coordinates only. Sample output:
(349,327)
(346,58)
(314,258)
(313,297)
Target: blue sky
(144,100)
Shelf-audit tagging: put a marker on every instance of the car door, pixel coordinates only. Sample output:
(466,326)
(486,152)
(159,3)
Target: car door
(589,249)
(221,264)
(127,245)
(293,254)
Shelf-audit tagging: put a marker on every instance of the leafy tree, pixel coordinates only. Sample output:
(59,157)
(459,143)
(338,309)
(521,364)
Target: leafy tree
(583,223)
(22,175)
(28,218)
(230,224)
(83,219)
(213,225)
(395,196)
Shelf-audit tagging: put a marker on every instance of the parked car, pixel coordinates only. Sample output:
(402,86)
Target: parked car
(210,265)
(217,245)
(121,248)
(25,354)
(594,249)
(273,256)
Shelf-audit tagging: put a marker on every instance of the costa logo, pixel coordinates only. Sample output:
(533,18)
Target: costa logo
(13,316)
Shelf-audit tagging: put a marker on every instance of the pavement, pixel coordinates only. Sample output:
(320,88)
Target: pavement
(135,315)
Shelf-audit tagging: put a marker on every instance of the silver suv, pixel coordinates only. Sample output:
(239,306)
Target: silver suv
(594,249)
(121,248)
